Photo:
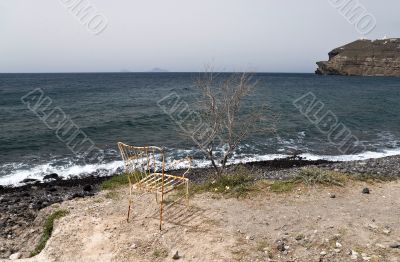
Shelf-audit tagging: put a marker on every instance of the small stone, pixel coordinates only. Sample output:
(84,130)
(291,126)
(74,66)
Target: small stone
(365,190)
(15,256)
(338,245)
(387,231)
(332,196)
(133,246)
(396,245)
(354,254)
(379,245)
(299,237)
(176,256)
(323,253)
(281,247)
(249,237)
(365,257)
(337,250)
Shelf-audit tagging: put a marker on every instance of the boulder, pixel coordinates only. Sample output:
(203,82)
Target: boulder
(52,176)
(88,188)
(29,180)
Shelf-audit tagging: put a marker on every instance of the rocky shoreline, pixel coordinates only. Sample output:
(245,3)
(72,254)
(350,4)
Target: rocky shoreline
(19,206)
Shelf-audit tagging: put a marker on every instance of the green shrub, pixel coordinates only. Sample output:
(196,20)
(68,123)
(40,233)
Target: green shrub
(47,230)
(120,180)
(114,181)
(282,186)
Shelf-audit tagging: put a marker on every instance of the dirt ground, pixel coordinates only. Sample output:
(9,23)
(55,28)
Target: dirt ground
(307,224)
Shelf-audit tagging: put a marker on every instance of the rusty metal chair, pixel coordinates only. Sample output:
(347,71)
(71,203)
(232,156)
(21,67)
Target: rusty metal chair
(145,168)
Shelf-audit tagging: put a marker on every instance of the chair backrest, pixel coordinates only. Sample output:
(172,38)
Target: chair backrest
(142,161)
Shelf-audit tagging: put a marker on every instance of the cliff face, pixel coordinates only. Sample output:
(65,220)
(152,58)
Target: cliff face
(364,58)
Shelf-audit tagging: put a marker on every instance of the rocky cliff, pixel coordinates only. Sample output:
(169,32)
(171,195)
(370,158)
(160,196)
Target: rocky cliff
(364,58)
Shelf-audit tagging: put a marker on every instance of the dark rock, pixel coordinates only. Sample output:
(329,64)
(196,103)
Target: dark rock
(281,247)
(88,188)
(52,176)
(176,256)
(88,193)
(299,237)
(1,187)
(52,189)
(29,180)
(76,195)
(332,196)
(395,245)
(364,58)
(365,190)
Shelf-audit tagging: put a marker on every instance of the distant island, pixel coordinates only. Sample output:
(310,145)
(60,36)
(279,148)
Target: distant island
(363,58)
(158,70)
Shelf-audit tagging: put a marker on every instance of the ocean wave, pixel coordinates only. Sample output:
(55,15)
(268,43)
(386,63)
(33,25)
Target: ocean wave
(361,156)
(65,171)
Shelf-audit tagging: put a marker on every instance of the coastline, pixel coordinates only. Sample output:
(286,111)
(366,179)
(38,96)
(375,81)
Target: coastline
(20,206)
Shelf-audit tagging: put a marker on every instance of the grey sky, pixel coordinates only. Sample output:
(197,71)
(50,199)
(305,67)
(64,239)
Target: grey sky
(181,35)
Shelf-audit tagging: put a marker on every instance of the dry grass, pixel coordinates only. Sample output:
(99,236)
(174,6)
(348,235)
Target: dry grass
(237,184)
(311,176)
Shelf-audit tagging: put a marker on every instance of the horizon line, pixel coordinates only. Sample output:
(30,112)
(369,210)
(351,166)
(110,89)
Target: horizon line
(150,72)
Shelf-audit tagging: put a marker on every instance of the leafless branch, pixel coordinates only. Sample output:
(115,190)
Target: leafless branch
(220,104)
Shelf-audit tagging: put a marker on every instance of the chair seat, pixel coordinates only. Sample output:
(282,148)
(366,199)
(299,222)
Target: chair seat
(153,182)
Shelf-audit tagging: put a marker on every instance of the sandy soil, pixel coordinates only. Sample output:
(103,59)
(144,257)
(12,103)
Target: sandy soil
(304,225)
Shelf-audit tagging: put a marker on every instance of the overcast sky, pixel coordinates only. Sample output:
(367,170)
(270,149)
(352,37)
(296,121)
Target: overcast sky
(181,35)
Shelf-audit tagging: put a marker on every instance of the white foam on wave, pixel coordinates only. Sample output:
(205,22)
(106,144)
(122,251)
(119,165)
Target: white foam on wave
(37,172)
(361,156)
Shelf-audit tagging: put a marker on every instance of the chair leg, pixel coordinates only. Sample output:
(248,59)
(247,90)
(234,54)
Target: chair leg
(129,209)
(187,194)
(130,199)
(161,210)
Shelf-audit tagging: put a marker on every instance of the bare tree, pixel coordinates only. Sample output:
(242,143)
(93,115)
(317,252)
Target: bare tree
(221,109)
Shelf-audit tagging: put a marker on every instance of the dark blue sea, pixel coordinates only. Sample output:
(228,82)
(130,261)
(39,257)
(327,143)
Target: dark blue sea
(112,107)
